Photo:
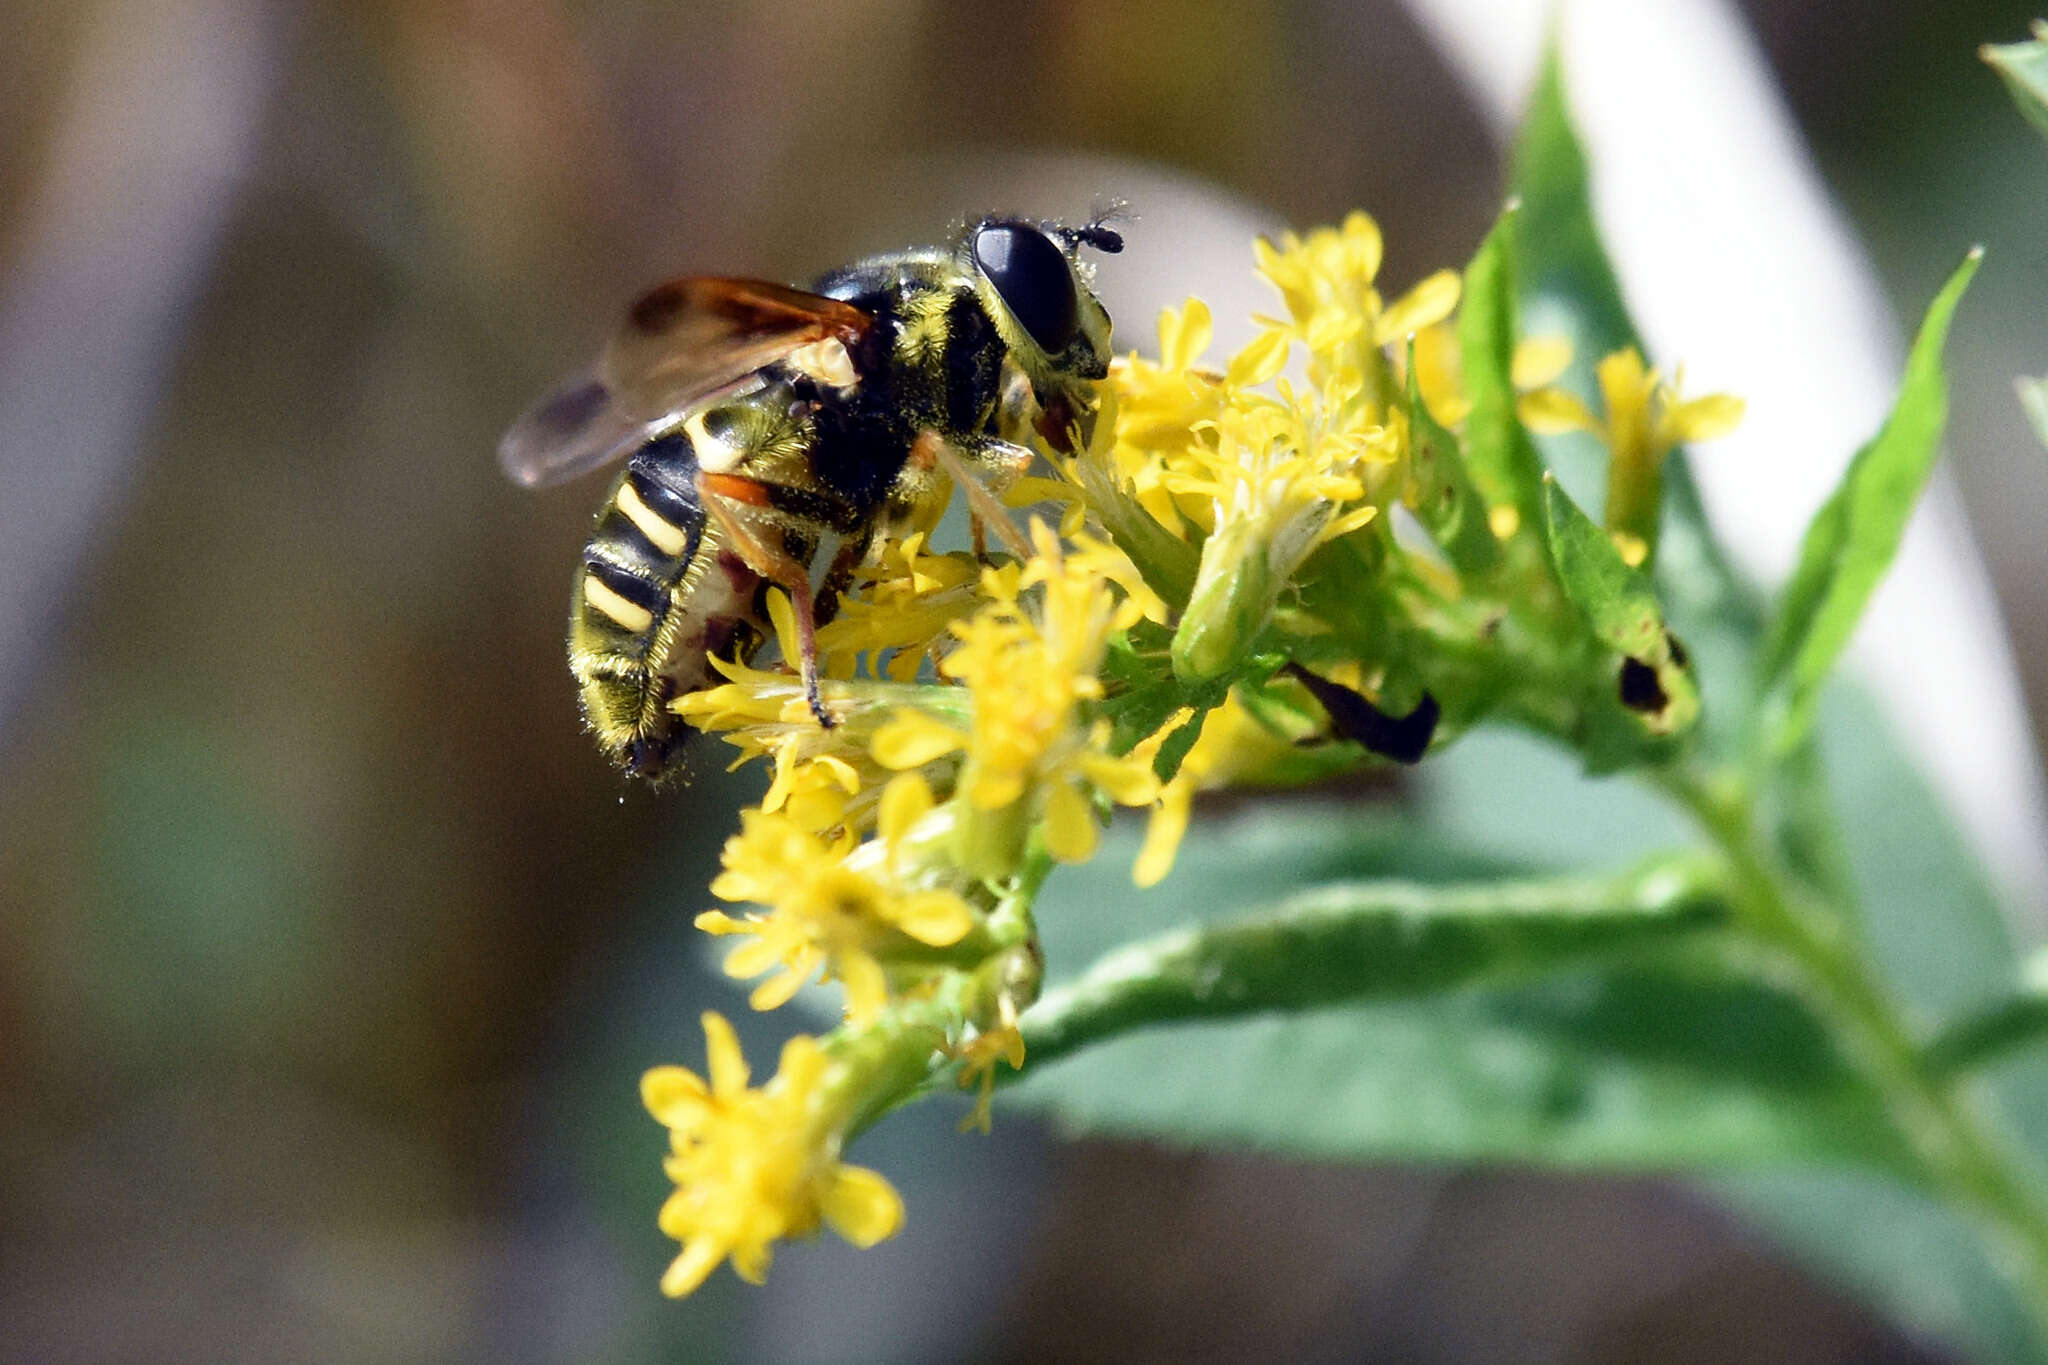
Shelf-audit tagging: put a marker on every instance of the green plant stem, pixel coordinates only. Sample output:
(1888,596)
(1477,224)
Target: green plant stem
(1964,1159)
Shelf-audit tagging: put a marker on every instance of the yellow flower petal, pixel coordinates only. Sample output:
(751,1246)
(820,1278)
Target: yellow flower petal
(752,958)
(773,993)
(1184,335)
(906,800)
(677,1211)
(1554,411)
(783,617)
(1625,388)
(816,808)
(751,1262)
(867,987)
(1351,521)
(1163,834)
(994,790)
(1363,243)
(801,1065)
(674,1095)
(1070,831)
(1439,373)
(700,1257)
(912,739)
(938,918)
(861,1206)
(1260,361)
(727,1065)
(1539,361)
(1428,302)
(1704,419)
(1126,781)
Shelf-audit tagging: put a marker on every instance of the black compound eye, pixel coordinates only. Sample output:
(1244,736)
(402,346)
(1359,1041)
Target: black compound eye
(1032,276)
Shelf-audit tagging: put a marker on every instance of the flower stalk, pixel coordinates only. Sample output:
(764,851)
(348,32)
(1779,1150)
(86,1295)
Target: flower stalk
(1963,1157)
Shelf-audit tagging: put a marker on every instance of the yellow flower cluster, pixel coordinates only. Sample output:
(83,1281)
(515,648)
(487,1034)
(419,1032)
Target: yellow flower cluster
(833,906)
(1646,419)
(751,1165)
(990,712)
(1026,753)
(1328,281)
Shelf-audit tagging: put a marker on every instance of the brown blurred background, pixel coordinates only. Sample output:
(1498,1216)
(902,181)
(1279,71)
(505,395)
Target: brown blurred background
(329,950)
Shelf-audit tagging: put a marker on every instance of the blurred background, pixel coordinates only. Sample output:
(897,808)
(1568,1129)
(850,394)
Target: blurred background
(330,951)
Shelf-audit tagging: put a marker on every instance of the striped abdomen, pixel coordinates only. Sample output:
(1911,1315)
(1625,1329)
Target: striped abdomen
(656,595)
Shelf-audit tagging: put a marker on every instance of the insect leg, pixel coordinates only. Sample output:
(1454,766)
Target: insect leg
(723,495)
(839,577)
(1004,460)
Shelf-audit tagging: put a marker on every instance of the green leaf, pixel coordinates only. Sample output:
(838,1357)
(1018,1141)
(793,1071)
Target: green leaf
(1568,282)
(1445,502)
(1657,695)
(1934,922)
(1659,1060)
(2018,1021)
(1141,700)
(1673,1062)
(1167,563)
(1350,941)
(1933,926)
(1499,456)
(1851,540)
(1896,1248)
(1616,599)
(2024,69)
(1561,250)
(2034,402)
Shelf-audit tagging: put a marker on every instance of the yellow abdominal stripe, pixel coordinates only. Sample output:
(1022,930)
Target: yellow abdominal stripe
(665,535)
(714,455)
(629,615)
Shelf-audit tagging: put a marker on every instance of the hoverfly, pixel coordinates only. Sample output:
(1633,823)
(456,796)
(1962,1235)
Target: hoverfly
(757,421)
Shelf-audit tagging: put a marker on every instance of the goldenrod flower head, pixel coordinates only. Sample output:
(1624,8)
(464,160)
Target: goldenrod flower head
(768,715)
(754,1166)
(1645,419)
(1159,403)
(1298,457)
(1031,659)
(1327,280)
(1286,473)
(1159,409)
(908,599)
(977,707)
(979,1052)
(828,910)
(1440,369)
(1232,746)
(817,791)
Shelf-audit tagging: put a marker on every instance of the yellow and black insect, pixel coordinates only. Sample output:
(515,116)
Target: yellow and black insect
(758,421)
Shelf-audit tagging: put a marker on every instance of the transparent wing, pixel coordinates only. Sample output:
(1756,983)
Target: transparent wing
(572,431)
(689,338)
(682,343)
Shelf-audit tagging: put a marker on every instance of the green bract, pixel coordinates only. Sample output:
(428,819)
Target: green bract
(2024,68)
